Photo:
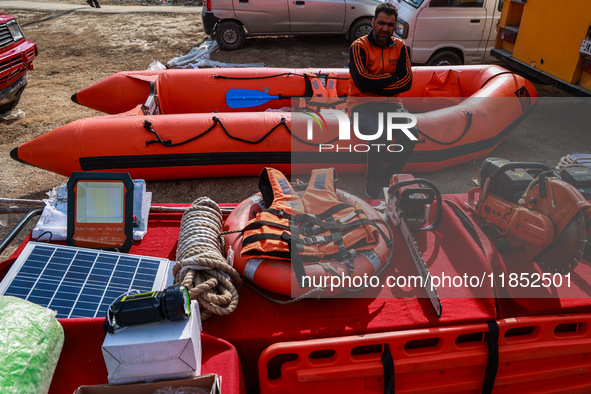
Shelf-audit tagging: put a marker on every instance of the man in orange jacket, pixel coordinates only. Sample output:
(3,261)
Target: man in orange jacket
(379,66)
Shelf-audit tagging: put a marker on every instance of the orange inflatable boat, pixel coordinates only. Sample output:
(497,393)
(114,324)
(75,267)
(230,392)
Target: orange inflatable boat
(175,124)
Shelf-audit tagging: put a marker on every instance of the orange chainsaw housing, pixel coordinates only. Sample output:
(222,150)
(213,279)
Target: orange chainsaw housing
(538,220)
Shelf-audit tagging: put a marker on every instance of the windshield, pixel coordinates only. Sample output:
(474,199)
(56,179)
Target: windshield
(414,3)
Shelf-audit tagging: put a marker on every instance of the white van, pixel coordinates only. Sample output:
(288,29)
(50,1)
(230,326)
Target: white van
(447,32)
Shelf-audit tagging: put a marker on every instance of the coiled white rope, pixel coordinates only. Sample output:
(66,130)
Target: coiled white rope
(201,266)
(567,161)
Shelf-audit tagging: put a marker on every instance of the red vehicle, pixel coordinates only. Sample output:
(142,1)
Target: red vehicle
(16,58)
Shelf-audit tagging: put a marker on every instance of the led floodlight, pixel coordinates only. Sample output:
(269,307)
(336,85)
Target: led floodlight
(100,210)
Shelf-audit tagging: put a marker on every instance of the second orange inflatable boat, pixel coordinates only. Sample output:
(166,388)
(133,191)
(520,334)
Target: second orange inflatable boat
(176,124)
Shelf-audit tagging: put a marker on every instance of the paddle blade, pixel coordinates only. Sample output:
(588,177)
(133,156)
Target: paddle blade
(244,98)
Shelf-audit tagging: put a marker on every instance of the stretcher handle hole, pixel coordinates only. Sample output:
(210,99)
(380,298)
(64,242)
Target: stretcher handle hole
(323,355)
(362,352)
(471,339)
(275,364)
(422,345)
(570,329)
(519,333)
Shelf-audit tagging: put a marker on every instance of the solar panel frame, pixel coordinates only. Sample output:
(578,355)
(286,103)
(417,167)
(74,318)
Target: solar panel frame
(79,282)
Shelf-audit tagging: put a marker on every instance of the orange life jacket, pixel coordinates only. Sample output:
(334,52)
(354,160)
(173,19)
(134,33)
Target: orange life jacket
(323,86)
(323,89)
(314,227)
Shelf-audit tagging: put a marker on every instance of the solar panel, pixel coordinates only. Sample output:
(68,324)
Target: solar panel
(78,282)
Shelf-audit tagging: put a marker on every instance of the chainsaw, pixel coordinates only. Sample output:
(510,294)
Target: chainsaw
(408,209)
(531,207)
(575,169)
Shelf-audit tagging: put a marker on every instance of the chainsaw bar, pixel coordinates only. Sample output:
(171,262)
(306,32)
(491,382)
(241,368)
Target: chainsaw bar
(401,200)
(421,267)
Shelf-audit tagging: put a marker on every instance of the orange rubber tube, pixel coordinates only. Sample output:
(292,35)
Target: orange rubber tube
(277,276)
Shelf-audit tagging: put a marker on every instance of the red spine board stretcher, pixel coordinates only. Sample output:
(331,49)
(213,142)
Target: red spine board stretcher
(535,354)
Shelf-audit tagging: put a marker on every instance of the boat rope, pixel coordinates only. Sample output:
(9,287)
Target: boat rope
(217,121)
(282,122)
(494,76)
(201,266)
(269,76)
(267,297)
(468,125)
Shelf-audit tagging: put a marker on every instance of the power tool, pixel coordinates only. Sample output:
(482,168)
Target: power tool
(408,209)
(531,207)
(575,168)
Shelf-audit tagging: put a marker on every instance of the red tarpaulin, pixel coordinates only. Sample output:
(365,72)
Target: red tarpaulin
(258,323)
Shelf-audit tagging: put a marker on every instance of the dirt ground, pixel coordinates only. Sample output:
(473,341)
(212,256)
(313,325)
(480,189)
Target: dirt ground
(77,49)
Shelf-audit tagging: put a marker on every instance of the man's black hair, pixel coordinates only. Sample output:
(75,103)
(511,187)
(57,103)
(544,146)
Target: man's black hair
(388,8)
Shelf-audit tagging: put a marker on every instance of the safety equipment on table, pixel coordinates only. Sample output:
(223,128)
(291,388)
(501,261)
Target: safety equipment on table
(314,227)
(288,232)
(575,168)
(531,207)
(408,209)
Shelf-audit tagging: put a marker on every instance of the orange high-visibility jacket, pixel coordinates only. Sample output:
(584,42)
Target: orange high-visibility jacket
(376,71)
(317,224)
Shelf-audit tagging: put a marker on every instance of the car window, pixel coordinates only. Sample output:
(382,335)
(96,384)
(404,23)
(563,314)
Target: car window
(456,3)
(414,3)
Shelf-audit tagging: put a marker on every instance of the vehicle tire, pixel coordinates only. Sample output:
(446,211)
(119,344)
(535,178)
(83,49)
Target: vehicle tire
(229,35)
(4,108)
(359,29)
(445,58)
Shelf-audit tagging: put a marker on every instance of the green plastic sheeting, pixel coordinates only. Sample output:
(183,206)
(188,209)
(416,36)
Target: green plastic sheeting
(31,341)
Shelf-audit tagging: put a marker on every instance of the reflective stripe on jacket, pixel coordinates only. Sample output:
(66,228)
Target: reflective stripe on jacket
(323,90)
(323,87)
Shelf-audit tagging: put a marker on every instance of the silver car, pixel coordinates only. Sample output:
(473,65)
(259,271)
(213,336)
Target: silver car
(230,21)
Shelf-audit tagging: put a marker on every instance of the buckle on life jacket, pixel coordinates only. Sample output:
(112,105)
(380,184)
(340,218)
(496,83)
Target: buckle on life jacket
(315,239)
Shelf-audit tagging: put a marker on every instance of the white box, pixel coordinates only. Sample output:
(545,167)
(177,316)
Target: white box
(163,350)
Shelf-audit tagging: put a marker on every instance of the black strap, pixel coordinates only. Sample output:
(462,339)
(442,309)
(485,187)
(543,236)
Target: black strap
(272,253)
(314,233)
(296,258)
(328,268)
(327,226)
(492,363)
(345,256)
(261,223)
(280,213)
(388,363)
(466,222)
(261,237)
(334,209)
(466,129)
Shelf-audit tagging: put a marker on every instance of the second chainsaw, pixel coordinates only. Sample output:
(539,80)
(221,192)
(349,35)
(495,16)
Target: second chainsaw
(531,207)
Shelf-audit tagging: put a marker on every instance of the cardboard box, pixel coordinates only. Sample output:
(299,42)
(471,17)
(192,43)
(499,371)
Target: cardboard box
(209,382)
(148,352)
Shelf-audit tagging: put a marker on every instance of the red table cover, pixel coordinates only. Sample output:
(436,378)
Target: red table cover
(450,249)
